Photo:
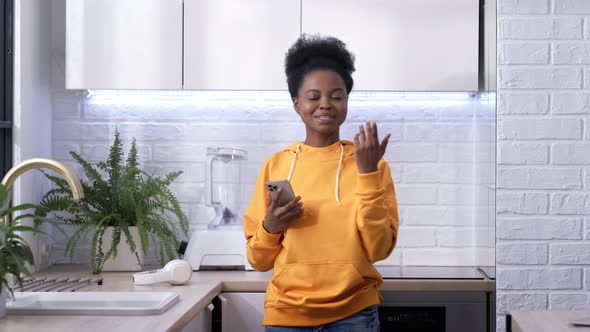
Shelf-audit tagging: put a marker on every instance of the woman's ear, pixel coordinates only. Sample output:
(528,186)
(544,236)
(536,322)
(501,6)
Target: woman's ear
(296,104)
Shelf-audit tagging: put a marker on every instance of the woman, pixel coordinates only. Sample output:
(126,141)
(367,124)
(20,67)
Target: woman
(322,255)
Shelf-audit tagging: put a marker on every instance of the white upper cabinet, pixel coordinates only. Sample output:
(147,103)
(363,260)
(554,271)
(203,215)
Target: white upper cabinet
(124,44)
(238,44)
(403,45)
(400,45)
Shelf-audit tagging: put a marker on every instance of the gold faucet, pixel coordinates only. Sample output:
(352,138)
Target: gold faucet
(53,165)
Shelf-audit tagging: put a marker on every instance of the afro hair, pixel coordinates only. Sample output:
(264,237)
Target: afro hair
(311,52)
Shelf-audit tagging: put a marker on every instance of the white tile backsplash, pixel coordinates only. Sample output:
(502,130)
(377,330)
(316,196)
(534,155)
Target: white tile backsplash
(441,155)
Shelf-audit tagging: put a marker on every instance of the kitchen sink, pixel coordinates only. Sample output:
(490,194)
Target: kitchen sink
(91,303)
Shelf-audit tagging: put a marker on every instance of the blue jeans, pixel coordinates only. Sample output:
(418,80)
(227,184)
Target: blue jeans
(366,320)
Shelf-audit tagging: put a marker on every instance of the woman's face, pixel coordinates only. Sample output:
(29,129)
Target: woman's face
(322,104)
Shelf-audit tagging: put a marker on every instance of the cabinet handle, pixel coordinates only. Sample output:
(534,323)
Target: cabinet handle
(210,307)
(222,298)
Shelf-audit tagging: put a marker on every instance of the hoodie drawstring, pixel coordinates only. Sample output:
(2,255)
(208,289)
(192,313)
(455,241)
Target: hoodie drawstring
(337,195)
(338,175)
(293,163)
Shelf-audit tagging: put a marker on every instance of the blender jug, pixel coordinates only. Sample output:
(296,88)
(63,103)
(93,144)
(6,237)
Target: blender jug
(224,185)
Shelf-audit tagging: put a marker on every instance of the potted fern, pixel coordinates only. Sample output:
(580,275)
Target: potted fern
(123,208)
(15,254)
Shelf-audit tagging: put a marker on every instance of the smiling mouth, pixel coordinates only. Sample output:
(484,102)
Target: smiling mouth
(325,117)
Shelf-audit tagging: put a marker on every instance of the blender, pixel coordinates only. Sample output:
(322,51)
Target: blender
(223,173)
(222,245)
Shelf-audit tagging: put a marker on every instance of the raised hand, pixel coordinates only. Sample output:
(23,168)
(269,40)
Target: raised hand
(279,217)
(367,149)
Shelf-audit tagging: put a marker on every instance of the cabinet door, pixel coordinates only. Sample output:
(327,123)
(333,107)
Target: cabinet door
(202,322)
(238,44)
(242,312)
(124,44)
(403,45)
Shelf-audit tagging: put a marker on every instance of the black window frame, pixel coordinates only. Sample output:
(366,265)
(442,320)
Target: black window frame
(6,84)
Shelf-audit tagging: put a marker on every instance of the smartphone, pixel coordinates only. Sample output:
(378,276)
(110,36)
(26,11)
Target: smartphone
(286,196)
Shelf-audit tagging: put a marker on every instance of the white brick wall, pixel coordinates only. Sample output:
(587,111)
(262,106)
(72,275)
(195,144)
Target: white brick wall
(522,203)
(523,103)
(539,278)
(522,253)
(539,78)
(523,153)
(517,53)
(543,126)
(523,6)
(527,27)
(441,153)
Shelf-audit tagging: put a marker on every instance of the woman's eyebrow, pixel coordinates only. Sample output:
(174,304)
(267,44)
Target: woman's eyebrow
(315,90)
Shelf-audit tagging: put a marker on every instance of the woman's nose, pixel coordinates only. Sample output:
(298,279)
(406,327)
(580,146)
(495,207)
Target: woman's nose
(325,104)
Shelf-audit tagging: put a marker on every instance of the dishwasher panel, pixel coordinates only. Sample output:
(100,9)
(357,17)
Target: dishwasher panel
(434,311)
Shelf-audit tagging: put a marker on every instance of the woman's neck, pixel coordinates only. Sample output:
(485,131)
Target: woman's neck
(319,141)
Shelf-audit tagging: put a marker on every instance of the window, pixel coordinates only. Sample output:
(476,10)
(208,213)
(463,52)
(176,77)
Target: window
(6,82)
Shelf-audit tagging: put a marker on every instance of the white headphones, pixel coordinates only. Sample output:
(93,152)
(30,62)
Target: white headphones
(176,272)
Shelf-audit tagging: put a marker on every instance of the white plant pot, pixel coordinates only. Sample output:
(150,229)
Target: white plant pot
(125,260)
(3,299)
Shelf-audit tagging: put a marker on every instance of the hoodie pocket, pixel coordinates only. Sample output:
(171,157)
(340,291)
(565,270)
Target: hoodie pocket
(314,284)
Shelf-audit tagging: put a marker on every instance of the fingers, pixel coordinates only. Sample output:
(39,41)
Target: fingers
(292,214)
(290,211)
(383,145)
(362,135)
(375,134)
(292,204)
(279,211)
(278,217)
(368,135)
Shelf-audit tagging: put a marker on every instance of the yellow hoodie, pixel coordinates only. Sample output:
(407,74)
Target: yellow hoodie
(323,262)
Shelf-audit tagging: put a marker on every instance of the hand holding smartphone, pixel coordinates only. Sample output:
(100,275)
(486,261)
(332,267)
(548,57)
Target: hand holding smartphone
(287,194)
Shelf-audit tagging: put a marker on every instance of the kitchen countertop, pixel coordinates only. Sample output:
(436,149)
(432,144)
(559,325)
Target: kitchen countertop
(548,321)
(194,296)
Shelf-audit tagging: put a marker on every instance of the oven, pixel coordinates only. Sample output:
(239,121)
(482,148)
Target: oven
(420,311)
(434,312)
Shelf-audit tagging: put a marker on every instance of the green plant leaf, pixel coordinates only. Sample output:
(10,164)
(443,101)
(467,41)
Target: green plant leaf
(14,252)
(92,174)
(22,228)
(120,194)
(20,207)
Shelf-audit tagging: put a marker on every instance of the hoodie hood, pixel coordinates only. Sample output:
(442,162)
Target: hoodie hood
(336,151)
(330,152)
